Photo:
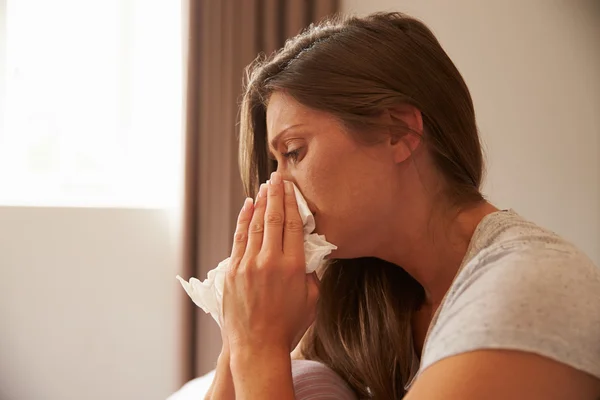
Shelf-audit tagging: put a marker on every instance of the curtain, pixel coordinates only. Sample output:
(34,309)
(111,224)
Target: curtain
(223,37)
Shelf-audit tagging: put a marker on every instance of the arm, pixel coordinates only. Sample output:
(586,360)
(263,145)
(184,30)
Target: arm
(264,373)
(502,374)
(222,387)
(311,380)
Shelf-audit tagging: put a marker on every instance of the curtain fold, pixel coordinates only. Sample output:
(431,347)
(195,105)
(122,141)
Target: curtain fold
(223,37)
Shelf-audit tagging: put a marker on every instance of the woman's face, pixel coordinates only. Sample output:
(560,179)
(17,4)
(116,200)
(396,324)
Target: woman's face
(348,185)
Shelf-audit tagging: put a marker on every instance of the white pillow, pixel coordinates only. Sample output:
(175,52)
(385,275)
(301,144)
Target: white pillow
(195,389)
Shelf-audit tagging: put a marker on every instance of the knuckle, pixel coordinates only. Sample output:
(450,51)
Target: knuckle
(274,191)
(240,237)
(266,260)
(294,225)
(245,267)
(274,218)
(244,218)
(234,262)
(290,200)
(295,262)
(247,263)
(256,227)
(230,275)
(246,272)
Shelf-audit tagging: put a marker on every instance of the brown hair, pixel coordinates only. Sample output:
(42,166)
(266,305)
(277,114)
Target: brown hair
(355,69)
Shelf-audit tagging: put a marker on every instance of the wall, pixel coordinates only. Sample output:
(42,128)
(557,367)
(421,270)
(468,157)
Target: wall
(87,304)
(533,68)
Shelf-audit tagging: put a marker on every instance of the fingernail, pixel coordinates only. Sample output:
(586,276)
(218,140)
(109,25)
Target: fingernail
(275,178)
(287,186)
(260,191)
(247,203)
(263,190)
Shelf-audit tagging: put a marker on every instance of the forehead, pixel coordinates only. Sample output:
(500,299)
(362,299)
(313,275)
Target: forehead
(284,111)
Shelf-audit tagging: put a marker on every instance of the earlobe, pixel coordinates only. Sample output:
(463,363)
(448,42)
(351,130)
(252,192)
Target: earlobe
(409,132)
(402,150)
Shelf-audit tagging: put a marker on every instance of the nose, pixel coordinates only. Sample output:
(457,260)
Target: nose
(285,175)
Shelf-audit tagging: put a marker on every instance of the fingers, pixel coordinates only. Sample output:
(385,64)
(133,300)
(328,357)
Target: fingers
(240,238)
(274,217)
(256,228)
(293,235)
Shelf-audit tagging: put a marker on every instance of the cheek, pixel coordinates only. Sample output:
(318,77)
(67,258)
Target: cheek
(337,180)
(332,182)
(322,178)
(348,197)
(329,189)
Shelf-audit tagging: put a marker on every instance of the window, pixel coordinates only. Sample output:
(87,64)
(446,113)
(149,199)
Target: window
(91,98)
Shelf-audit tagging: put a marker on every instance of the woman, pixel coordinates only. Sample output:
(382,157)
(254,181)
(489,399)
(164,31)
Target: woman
(433,292)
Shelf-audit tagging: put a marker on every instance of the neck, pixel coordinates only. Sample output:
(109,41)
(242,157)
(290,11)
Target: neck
(433,254)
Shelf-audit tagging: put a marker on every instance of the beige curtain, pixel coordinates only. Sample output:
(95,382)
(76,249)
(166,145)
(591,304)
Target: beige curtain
(224,36)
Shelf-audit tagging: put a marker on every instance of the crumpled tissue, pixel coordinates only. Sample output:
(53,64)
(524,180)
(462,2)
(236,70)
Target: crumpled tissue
(208,294)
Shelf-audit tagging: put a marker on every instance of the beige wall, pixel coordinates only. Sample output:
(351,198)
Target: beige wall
(87,304)
(533,68)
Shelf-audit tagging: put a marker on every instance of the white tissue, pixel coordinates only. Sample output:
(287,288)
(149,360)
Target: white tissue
(208,295)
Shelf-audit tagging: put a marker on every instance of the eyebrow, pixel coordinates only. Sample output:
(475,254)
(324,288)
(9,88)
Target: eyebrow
(275,140)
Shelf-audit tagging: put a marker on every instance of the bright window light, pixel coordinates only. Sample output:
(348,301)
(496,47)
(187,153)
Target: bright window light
(92,103)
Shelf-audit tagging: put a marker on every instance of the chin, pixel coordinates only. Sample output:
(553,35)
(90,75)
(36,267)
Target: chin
(340,253)
(332,255)
(330,239)
(346,249)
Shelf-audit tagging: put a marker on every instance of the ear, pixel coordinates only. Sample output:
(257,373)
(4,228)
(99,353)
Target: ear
(407,131)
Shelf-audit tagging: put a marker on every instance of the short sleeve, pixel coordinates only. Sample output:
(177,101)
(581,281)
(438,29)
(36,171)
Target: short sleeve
(316,381)
(541,300)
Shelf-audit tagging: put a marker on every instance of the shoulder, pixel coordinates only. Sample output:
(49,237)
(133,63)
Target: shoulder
(528,290)
(316,381)
(515,253)
(539,267)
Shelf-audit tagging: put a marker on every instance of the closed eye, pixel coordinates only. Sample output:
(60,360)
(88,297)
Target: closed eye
(292,155)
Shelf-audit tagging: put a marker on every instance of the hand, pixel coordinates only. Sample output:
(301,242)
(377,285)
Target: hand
(269,300)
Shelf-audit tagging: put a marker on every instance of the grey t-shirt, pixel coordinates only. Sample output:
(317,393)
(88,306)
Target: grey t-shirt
(520,287)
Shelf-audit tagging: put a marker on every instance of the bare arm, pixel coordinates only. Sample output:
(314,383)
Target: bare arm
(264,374)
(222,386)
(502,374)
